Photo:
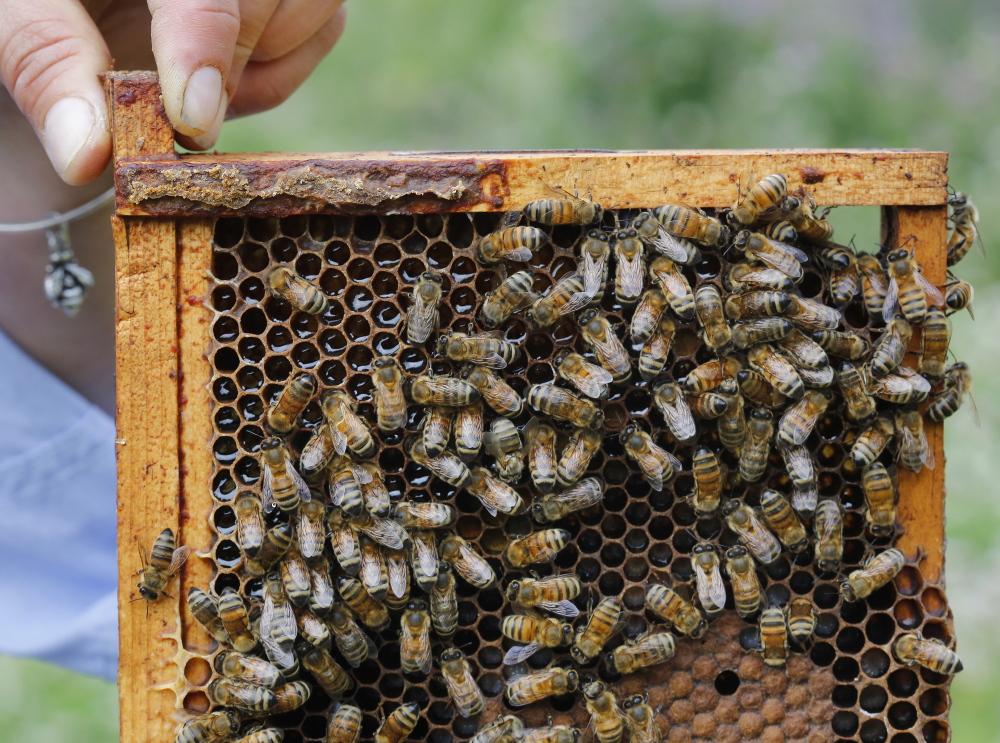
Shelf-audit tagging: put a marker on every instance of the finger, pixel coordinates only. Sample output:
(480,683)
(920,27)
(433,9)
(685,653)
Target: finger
(293,22)
(194,42)
(254,18)
(50,57)
(267,84)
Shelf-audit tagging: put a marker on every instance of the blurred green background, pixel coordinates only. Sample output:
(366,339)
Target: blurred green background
(450,74)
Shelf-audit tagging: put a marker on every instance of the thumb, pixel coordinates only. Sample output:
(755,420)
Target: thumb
(50,56)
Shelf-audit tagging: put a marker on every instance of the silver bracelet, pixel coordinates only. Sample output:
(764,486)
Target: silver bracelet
(66,281)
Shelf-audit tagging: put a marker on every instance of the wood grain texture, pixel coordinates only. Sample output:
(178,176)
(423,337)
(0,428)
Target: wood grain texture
(921,495)
(139,125)
(148,472)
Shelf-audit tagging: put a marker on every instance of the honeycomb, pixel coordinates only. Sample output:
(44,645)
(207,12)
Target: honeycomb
(847,686)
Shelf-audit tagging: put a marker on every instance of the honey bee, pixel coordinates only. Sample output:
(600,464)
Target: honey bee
(874,283)
(760,330)
(647,650)
(444,604)
(692,224)
(512,244)
(674,285)
(285,410)
(658,465)
(553,594)
(599,336)
(467,562)
(398,725)
(741,519)
(504,728)
(743,576)
(606,716)
(909,291)
(566,297)
(303,296)
(446,466)
(877,572)
(801,620)
(415,640)
(374,492)
(646,229)
(706,377)
(213,727)
(374,573)
(462,688)
(801,212)
(163,561)
(711,589)
(880,496)
(469,430)
(497,393)
(331,677)
(245,697)
(846,344)
(295,577)
(708,308)
(934,344)
(762,198)
(859,406)
(590,379)
(630,266)
(647,314)
(890,349)
(206,611)
(957,384)
(278,628)
(641,720)
(828,523)
(733,421)
(914,451)
(756,445)
(565,406)
(344,487)
(424,558)
(803,352)
(538,547)
(368,610)
(783,520)
(653,356)
(605,622)
(412,515)
(347,429)
(495,495)
(671,608)
(540,443)
(872,441)
(290,696)
(513,295)
(311,531)
(312,631)
(708,481)
(958,296)
(758,389)
(277,542)
(443,392)
(743,277)
(350,639)
(780,256)
(815,378)
(344,725)
(845,283)
(437,429)
(575,458)
(390,405)
(670,401)
(423,319)
(536,632)
(503,443)
(554,506)
(344,542)
(964,216)
(570,209)
(234,617)
(593,263)
(934,655)
(282,486)
(813,315)
(534,687)
(384,531)
(773,636)
(484,350)
(776,370)
(756,304)
(904,387)
(800,419)
(802,473)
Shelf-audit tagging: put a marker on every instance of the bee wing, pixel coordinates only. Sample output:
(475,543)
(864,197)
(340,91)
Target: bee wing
(610,349)
(800,255)
(652,467)
(509,219)
(179,557)
(267,489)
(933,293)
(492,444)
(304,494)
(339,440)
(270,616)
(564,608)
(711,589)
(467,702)
(593,273)
(361,474)
(386,532)
(679,419)
(426,558)
(780,258)
(673,282)
(529,432)
(891,305)
(578,498)
(669,245)
(577,302)
(422,317)
(632,272)
(761,542)
(520,653)
(491,360)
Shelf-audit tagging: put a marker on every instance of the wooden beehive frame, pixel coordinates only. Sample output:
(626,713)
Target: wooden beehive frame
(166,209)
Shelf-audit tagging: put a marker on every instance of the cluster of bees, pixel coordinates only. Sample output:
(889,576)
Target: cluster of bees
(345,558)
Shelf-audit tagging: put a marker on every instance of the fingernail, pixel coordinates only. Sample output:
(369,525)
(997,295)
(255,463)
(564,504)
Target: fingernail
(202,98)
(207,140)
(69,124)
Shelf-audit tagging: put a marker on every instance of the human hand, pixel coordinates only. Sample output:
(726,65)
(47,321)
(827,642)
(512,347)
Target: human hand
(215,58)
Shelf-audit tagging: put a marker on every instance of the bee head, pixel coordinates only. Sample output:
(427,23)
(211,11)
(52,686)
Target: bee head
(586,317)
(736,552)
(567,633)
(428,276)
(762,414)
(730,506)
(146,593)
(273,442)
(702,547)
(561,356)
(597,235)
(452,654)
(593,689)
(741,239)
(882,530)
(700,629)
(790,204)
(538,512)
(958,199)
(848,590)
(629,429)
(513,589)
